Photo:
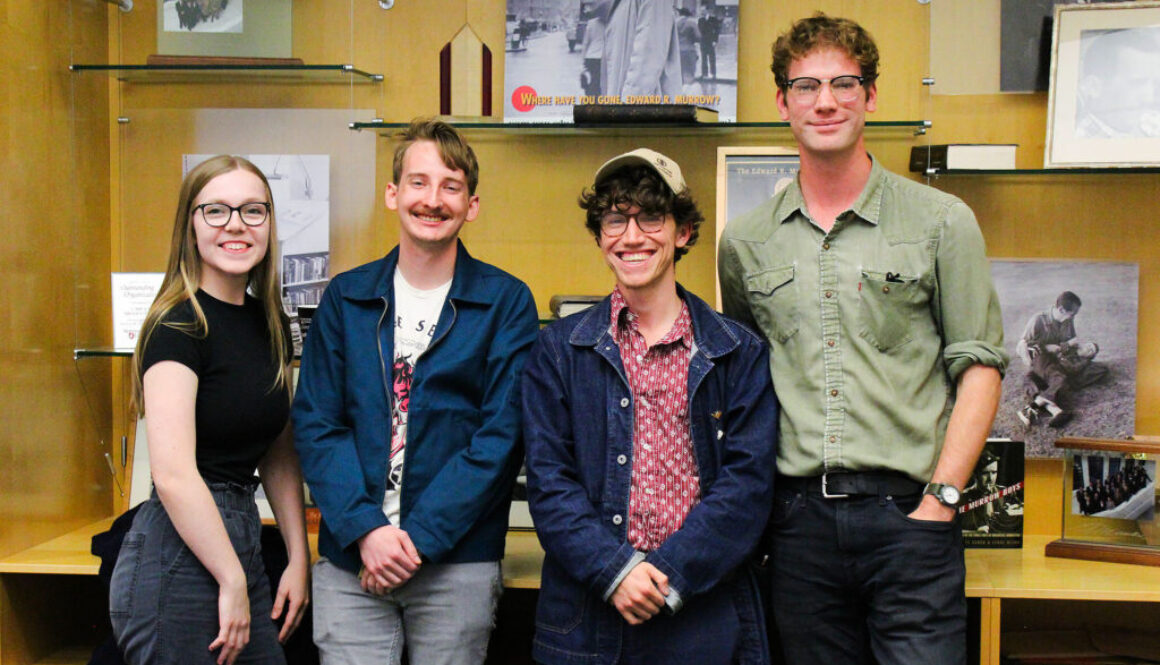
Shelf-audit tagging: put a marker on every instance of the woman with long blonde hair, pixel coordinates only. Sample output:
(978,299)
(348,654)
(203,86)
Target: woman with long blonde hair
(212,377)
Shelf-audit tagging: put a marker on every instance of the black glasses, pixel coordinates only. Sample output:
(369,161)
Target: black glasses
(844,88)
(218,215)
(614,224)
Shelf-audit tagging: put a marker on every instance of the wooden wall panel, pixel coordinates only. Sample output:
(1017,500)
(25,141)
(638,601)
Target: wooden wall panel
(54,266)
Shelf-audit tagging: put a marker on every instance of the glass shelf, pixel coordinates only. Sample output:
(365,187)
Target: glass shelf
(1136,170)
(248,72)
(563,128)
(102,352)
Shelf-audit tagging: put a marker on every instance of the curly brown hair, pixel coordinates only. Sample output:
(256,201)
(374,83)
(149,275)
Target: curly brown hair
(639,185)
(821,31)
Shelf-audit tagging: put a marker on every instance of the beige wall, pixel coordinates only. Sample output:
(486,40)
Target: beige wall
(54,256)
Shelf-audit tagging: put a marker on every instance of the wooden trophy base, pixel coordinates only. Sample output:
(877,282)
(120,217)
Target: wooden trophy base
(1073,549)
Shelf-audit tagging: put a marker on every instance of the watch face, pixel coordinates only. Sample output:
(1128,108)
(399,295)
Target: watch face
(950,495)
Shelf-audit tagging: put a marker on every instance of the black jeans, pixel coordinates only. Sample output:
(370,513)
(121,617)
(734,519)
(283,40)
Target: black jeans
(855,581)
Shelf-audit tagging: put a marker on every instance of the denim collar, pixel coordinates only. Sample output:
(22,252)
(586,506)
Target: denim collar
(377,282)
(710,334)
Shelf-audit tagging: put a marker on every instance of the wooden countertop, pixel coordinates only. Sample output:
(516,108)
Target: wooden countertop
(991,573)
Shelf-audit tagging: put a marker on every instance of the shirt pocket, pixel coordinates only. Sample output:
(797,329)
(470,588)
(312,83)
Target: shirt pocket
(889,305)
(772,296)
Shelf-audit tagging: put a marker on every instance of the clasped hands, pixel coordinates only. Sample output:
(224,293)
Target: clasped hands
(641,594)
(389,559)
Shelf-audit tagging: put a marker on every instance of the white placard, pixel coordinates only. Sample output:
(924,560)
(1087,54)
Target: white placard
(133,293)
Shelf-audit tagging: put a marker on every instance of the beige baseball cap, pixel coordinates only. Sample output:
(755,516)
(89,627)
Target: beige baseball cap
(666,168)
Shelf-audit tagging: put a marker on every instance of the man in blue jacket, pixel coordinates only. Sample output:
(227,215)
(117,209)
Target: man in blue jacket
(651,432)
(407,422)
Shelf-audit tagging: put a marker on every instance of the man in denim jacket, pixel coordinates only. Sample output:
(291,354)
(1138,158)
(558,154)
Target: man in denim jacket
(407,423)
(650,422)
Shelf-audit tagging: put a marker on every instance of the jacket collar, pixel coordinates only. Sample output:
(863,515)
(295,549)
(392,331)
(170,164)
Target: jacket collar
(710,334)
(377,282)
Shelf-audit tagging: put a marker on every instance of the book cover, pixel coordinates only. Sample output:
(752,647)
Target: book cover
(991,513)
(560,53)
(962,157)
(642,114)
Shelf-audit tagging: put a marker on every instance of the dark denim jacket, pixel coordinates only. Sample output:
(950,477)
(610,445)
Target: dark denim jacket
(578,424)
(463,433)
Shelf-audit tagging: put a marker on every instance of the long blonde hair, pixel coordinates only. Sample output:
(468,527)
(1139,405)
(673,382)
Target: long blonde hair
(183,276)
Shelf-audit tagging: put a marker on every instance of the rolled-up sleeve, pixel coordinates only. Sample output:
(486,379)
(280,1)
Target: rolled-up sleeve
(968,306)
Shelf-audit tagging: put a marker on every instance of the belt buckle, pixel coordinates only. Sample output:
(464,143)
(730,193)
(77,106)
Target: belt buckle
(826,488)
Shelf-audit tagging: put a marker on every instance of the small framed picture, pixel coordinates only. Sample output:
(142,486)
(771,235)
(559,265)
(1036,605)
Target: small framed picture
(747,177)
(1102,108)
(224,28)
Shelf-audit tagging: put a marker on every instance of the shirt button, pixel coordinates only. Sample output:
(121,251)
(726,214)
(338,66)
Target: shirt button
(886,289)
(829,342)
(834,393)
(622,459)
(833,439)
(829,294)
(623,402)
(825,245)
(617,520)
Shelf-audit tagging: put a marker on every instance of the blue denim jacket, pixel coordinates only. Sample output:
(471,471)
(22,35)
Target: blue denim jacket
(463,433)
(578,425)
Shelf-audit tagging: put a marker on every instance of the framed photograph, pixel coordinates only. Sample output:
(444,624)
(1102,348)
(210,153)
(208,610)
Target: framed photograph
(747,177)
(1109,500)
(1102,110)
(1070,328)
(224,28)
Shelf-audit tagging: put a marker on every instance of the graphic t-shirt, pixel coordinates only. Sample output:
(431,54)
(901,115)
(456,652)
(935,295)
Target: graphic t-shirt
(416,313)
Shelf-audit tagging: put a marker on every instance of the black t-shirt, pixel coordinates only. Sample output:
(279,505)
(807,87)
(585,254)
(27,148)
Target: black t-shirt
(238,415)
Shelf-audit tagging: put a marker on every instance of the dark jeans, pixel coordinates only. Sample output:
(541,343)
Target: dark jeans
(855,581)
(163,603)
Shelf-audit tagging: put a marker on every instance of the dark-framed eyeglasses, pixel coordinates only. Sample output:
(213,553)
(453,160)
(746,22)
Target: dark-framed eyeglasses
(218,215)
(613,224)
(845,88)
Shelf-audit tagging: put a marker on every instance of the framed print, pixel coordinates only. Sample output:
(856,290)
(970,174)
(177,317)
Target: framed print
(224,28)
(1103,108)
(1070,329)
(747,177)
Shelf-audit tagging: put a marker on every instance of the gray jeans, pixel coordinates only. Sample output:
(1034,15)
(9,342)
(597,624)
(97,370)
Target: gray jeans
(163,603)
(444,614)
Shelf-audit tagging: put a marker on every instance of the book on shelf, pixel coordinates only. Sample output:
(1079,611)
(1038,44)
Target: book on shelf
(962,157)
(562,306)
(642,114)
(991,510)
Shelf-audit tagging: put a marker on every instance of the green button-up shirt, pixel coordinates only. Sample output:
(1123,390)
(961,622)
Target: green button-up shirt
(870,325)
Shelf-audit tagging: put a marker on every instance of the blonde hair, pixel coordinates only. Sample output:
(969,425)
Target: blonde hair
(183,276)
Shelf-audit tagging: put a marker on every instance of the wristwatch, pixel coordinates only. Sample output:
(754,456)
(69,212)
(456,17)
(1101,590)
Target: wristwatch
(947,495)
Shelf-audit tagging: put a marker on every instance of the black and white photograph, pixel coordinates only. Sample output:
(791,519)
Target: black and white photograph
(225,28)
(1070,329)
(1104,98)
(1025,43)
(301,188)
(203,15)
(561,53)
(991,511)
(1113,486)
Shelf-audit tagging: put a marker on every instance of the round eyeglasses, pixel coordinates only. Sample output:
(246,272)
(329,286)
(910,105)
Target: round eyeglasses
(805,89)
(218,215)
(614,224)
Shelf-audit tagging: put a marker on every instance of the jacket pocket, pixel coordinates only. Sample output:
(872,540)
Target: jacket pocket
(772,296)
(560,608)
(888,306)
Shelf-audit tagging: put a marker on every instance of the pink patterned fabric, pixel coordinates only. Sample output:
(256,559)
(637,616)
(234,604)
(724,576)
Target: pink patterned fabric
(665,481)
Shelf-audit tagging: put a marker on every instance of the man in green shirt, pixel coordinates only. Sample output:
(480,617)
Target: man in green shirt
(887,351)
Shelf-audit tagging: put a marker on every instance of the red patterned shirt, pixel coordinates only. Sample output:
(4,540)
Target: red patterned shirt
(665,482)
